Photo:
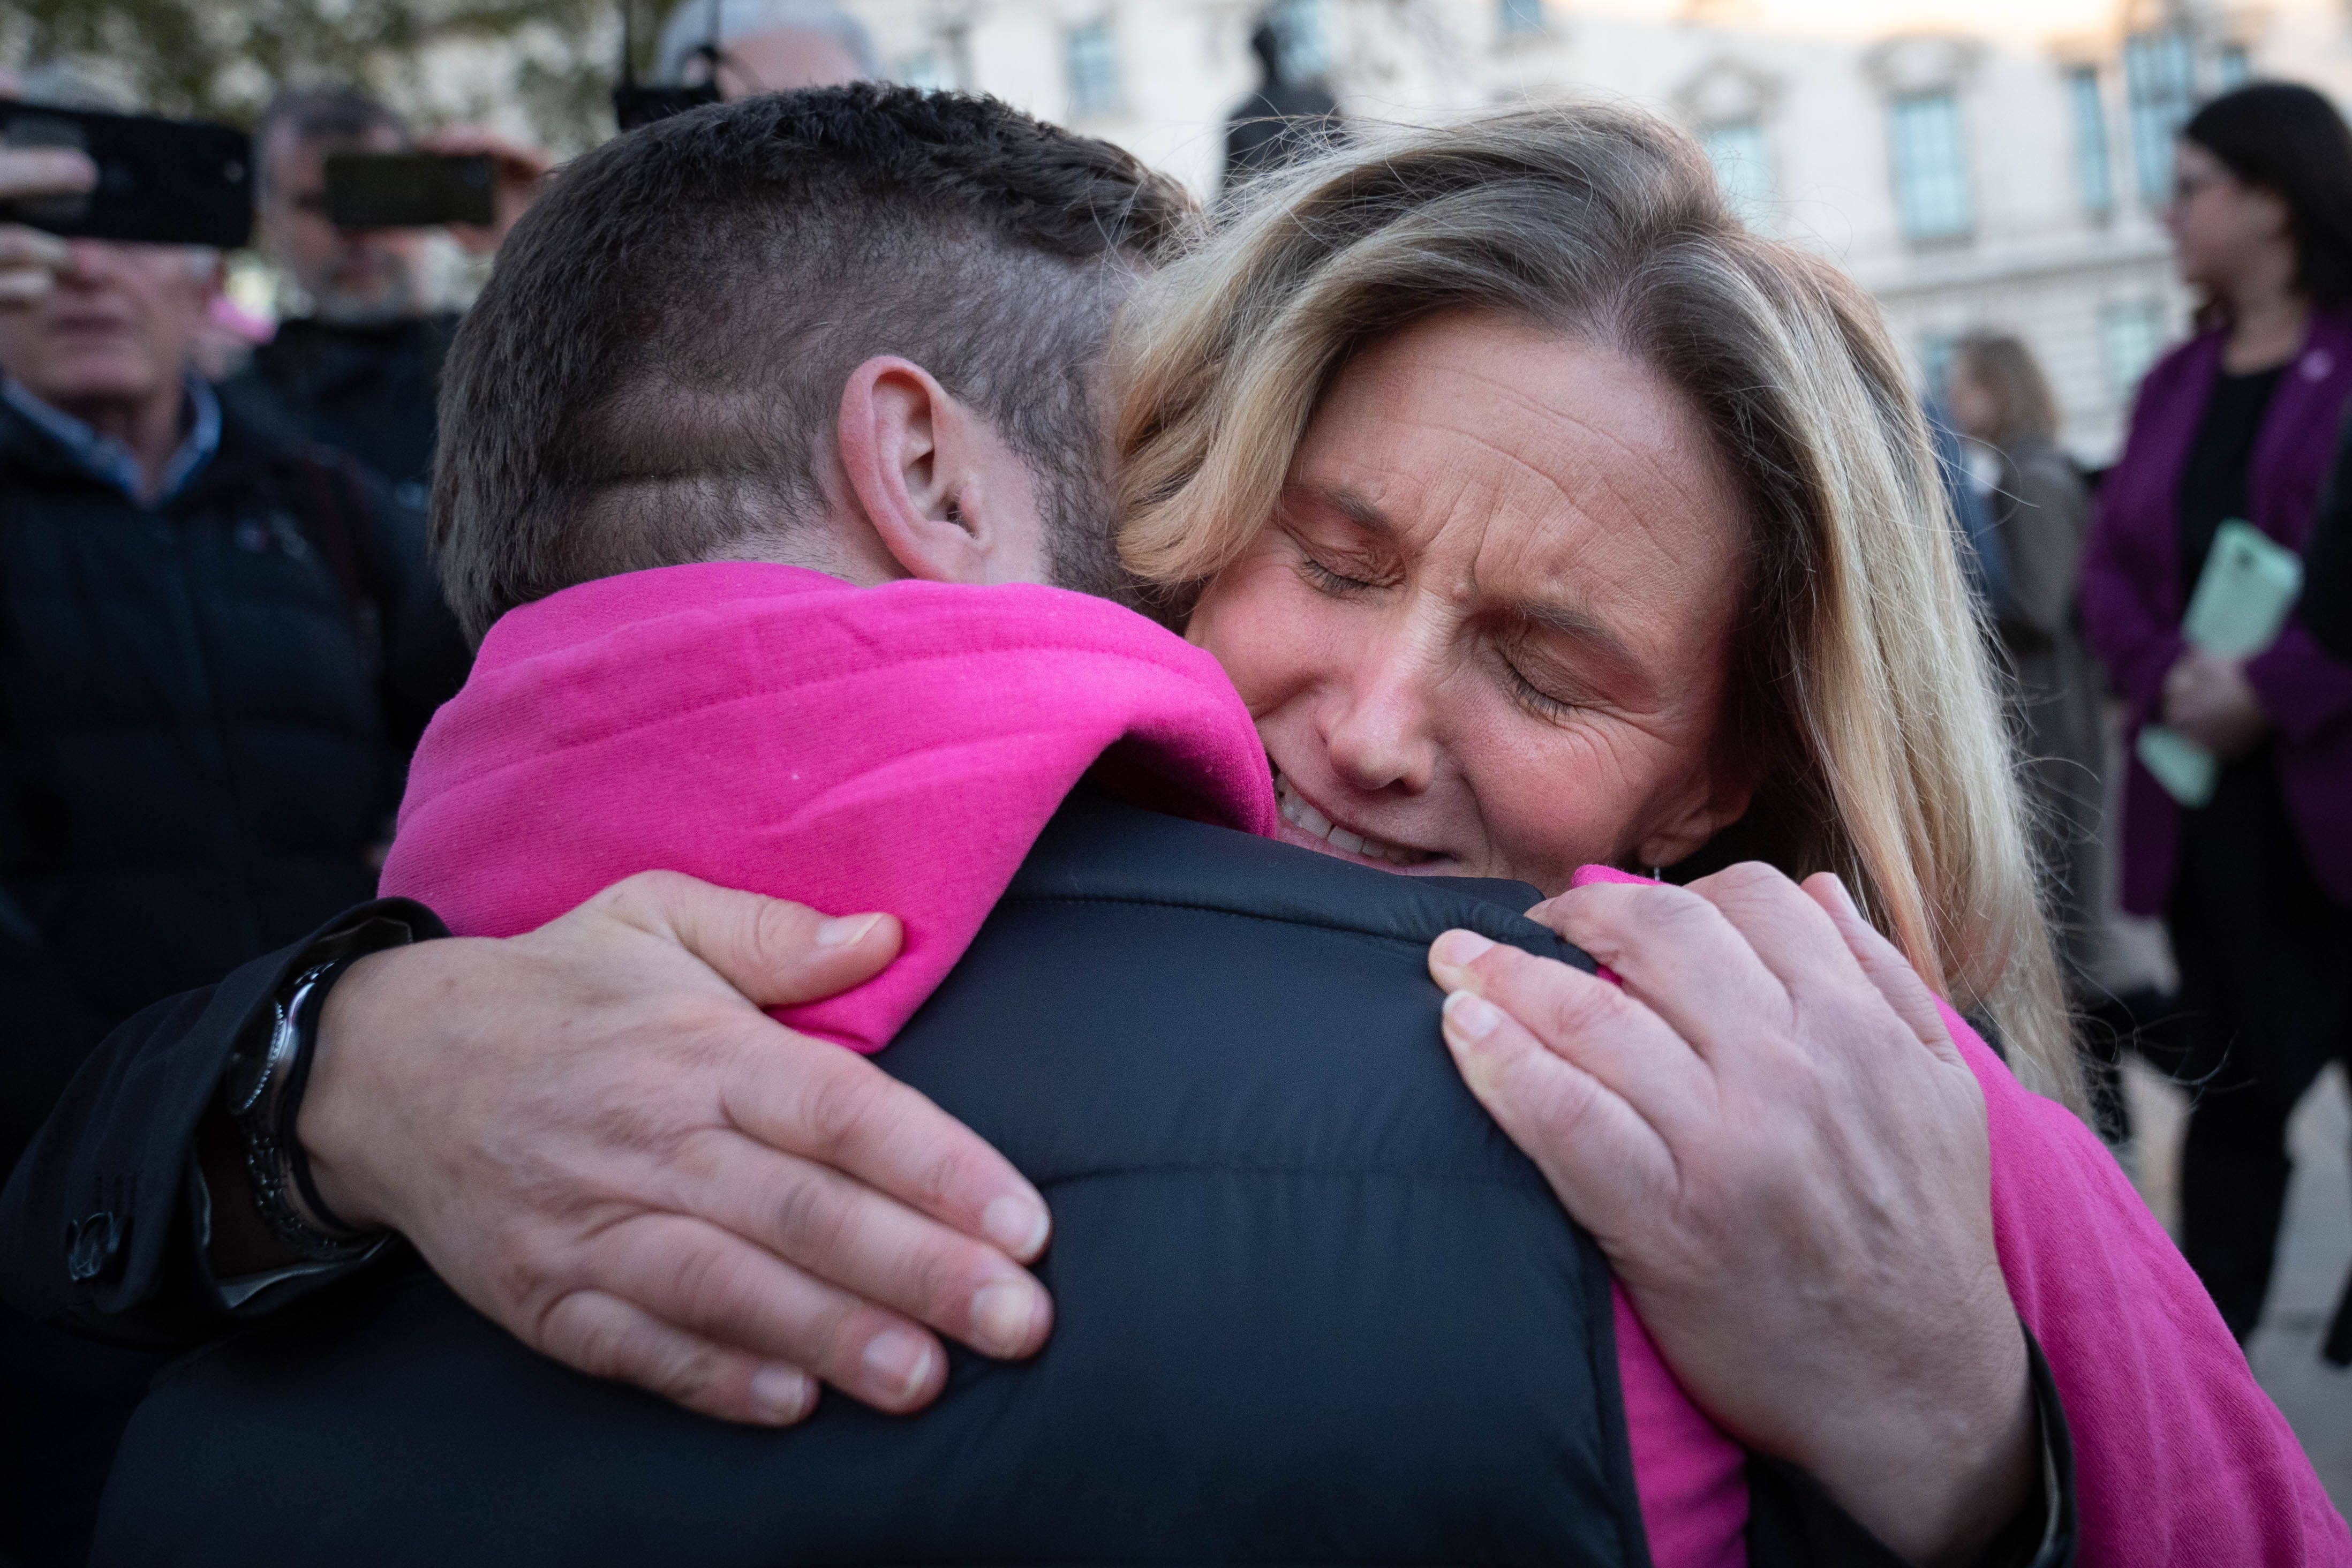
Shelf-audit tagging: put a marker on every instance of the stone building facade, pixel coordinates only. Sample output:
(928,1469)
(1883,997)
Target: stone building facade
(1992,163)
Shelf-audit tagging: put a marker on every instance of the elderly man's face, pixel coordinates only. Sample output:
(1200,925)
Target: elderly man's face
(354,277)
(784,61)
(119,326)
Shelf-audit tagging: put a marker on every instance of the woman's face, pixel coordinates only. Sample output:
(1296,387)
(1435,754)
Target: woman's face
(2223,229)
(1975,410)
(1486,631)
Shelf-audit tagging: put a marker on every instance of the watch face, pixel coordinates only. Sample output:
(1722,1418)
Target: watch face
(249,1069)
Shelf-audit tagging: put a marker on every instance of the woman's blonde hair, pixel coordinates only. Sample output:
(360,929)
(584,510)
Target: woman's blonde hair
(2006,369)
(1861,695)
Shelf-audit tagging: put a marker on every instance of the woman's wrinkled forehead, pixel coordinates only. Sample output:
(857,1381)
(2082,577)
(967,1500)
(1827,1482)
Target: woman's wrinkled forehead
(1553,473)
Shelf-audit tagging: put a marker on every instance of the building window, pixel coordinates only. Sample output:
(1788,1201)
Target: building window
(2130,335)
(1300,37)
(2160,87)
(1090,59)
(1742,167)
(2094,173)
(1931,166)
(927,71)
(2233,68)
(1522,16)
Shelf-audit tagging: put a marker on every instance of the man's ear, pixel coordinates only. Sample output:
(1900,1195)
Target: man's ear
(941,491)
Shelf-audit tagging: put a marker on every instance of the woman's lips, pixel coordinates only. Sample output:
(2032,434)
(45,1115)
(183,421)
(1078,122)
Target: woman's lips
(1301,814)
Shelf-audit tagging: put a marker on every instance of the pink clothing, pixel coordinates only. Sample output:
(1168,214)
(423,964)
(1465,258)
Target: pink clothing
(2178,1457)
(895,748)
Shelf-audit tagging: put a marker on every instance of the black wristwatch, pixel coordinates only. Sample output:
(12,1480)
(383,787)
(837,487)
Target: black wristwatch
(262,1091)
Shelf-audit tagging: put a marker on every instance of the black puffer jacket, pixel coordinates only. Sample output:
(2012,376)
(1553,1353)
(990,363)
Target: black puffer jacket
(1312,1307)
(205,709)
(368,390)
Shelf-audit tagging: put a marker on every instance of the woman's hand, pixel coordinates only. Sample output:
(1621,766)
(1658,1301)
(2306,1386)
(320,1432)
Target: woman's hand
(595,1139)
(2208,699)
(1775,1141)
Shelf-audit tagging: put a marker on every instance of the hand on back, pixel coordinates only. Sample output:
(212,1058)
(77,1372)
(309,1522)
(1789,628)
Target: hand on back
(594,1137)
(1774,1139)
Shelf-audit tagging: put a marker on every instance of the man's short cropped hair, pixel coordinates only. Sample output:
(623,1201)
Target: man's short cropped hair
(652,375)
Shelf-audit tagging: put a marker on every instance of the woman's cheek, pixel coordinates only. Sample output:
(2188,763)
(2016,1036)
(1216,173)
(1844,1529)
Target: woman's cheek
(1262,625)
(1561,803)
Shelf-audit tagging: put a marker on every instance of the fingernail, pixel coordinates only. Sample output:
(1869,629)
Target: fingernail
(1844,896)
(781,1395)
(897,1364)
(847,931)
(1471,1016)
(1017,1225)
(1460,949)
(1001,1316)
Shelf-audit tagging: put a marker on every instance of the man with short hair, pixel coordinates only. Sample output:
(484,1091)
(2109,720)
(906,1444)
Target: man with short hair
(359,371)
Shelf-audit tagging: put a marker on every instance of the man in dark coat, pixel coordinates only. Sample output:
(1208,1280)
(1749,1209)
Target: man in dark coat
(358,371)
(217,644)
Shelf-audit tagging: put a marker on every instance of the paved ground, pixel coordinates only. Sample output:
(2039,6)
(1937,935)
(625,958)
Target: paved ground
(2313,1257)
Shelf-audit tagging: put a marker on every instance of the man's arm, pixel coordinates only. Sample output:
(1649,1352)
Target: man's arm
(99,1224)
(593,1133)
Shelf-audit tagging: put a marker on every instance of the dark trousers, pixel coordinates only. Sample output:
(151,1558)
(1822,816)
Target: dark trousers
(2265,959)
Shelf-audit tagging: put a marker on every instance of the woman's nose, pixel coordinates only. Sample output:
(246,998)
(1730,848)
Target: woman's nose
(1379,735)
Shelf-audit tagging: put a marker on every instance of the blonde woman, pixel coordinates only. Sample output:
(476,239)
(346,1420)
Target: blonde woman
(1547,520)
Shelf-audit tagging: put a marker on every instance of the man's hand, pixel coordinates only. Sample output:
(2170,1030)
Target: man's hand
(595,1139)
(518,172)
(2208,699)
(1775,1141)
(30,260)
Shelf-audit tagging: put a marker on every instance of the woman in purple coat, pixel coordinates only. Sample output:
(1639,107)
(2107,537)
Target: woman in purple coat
(2256,887)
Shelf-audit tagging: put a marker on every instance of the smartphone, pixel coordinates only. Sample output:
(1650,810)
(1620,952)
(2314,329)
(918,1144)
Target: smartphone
(160,182)
(409,190)
(634,106)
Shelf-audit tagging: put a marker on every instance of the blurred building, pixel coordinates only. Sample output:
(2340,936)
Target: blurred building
(1974,162)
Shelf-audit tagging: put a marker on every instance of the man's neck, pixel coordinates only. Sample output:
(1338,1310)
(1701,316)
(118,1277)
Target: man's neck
(150,425)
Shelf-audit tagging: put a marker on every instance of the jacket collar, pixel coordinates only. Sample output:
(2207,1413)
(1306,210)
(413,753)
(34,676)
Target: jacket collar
(110,462)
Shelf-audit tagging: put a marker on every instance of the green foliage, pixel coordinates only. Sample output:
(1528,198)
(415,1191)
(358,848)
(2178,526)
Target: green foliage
(223,59)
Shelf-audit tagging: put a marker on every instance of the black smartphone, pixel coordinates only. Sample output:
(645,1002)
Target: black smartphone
(160,182)
(634,106)
(409,190)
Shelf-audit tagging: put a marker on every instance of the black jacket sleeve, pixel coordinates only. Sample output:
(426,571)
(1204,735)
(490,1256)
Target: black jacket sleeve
(100,1225)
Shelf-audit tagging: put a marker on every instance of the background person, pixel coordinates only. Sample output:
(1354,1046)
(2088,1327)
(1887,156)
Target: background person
(360,370)
(2256,887)
(2041,512)
(764,45)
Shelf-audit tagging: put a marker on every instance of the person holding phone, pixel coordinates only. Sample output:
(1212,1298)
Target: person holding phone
(218,641)
(2255,886)
(358,370)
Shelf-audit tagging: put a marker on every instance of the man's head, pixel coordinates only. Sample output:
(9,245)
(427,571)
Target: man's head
(119,327)
(764,45)
(855,328)
(353,277)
